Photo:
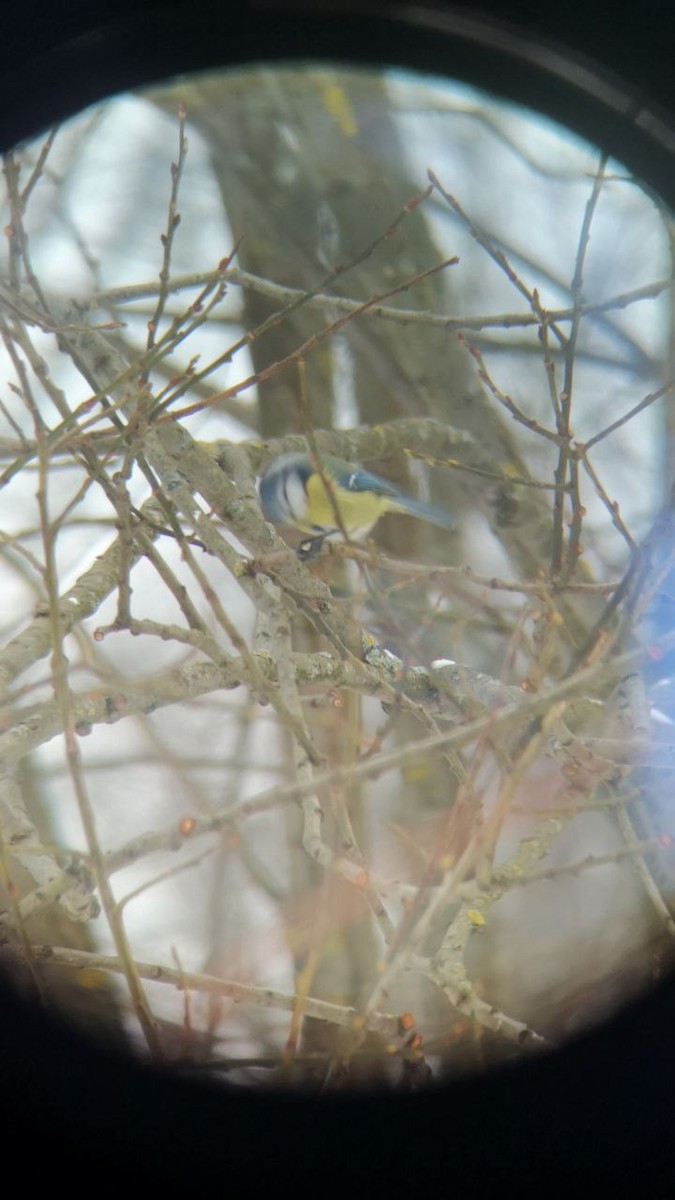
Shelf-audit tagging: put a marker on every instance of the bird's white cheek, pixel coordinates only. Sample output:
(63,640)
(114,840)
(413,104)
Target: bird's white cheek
(296,497)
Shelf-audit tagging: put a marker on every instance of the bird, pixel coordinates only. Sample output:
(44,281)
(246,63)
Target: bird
(293,492)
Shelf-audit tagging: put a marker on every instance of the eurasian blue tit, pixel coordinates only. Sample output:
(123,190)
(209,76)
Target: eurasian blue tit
(292,492)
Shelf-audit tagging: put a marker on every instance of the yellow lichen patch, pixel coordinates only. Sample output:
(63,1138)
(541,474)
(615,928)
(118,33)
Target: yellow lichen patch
(475,916)
(92,979)
(512,471)
(447,862)
(417,772)
(337,103)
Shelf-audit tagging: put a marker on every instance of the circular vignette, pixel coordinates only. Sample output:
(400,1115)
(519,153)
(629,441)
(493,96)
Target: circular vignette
(592,1112)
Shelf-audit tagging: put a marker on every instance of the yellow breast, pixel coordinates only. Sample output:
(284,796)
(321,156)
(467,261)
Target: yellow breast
(358,510)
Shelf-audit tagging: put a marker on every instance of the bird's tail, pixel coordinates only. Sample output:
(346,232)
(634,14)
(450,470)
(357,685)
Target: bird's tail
(426,512)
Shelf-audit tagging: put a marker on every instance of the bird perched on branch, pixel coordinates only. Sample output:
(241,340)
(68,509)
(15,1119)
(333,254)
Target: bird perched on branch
(341,498)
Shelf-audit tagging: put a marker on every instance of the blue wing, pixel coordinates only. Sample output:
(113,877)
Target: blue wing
(359,480)
(363,481)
